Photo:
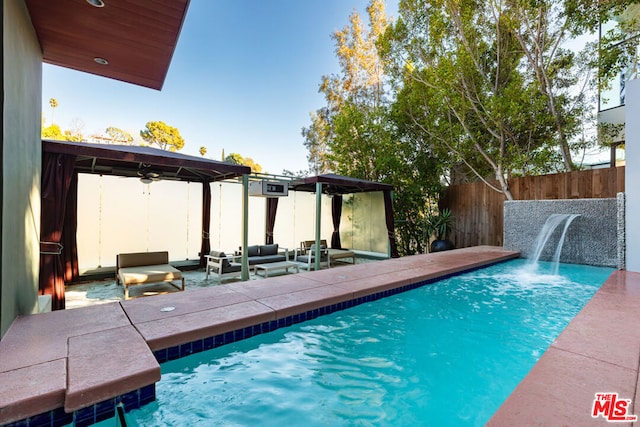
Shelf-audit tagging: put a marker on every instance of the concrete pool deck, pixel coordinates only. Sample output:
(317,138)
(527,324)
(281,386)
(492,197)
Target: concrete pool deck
(74,358)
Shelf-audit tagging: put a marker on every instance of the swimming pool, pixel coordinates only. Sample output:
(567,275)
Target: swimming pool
(443,354)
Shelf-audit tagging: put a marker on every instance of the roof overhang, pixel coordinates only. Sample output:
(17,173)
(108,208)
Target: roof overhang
(134,161)
(136,37)
(338,184)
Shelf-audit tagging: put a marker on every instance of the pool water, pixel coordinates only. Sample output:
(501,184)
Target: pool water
(448,353)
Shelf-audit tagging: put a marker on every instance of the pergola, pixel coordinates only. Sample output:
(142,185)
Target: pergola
(61,163)
(337,186)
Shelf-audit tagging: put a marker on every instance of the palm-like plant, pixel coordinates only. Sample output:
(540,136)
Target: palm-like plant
(440,225)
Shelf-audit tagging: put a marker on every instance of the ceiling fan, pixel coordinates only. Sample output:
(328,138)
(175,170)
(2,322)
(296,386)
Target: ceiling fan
(147,176)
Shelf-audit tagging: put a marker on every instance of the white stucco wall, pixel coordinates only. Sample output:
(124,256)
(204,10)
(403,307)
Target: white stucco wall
(21,164)
(632,175)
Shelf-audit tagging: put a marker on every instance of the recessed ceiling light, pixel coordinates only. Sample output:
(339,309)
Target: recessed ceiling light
(96,3)
(101,61)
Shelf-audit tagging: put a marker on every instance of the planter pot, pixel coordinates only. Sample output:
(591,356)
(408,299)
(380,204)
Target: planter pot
(441,245)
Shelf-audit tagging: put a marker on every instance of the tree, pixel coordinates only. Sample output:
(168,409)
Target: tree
(52,132)
(237,159)
(353,97)
(54,104)
(488,85)
(360,81)
(203,151)
(541,31)
(317,142)
(234,158)
(75,132)
(358,133)
(119,135)
(164,136)
(255,167)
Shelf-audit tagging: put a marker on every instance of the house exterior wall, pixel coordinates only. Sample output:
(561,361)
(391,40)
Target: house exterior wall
(21,164)
(632,175)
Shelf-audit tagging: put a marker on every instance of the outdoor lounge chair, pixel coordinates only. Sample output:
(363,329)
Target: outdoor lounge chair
(308,261)
(305,245)
(140,268)
(223,266)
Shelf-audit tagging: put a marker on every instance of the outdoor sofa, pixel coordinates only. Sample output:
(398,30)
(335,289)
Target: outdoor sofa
(225,266)
(264,254)
(139,268)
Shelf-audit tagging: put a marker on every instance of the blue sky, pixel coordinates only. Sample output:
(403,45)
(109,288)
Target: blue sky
(244,78)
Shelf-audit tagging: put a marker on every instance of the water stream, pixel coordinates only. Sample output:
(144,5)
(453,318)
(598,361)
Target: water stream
(549,227)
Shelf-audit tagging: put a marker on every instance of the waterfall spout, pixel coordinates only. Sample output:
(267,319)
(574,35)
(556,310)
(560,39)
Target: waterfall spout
(547,230)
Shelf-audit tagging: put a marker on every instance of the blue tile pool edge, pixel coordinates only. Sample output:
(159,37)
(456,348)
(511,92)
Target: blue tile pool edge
(137,398)
(91,414)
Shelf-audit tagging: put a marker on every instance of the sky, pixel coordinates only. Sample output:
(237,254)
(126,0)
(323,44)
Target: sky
(244,78)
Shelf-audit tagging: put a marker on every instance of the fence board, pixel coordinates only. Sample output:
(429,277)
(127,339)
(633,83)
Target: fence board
(478,210)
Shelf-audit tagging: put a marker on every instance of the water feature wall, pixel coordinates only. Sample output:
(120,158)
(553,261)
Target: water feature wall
(595,237)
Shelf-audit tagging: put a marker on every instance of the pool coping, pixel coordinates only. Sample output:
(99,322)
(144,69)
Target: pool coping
(47,361)
(598,353)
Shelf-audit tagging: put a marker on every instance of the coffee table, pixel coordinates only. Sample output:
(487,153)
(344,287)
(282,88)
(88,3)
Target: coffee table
(341,254)
(274,266)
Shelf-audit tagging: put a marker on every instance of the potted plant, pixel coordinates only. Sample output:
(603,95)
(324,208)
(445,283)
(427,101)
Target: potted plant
(440,226)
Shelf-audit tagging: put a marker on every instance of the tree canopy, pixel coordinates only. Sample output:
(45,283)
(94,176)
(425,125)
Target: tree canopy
(462,90)
(492,84)
(360,134)
(164,136)
(119,135)
(54,132)
(237,159)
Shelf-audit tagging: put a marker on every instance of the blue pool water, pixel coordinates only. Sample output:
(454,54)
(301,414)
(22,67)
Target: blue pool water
(443,354)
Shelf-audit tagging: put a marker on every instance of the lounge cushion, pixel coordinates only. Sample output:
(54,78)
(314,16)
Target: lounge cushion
(233,267)
(142,258)
(148,273)
(225,262)
(269,249)
(253,250)
(311,258)
(266,259)
(306,244)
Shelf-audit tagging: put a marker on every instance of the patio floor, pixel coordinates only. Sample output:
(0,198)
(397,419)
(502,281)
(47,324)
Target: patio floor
(48,361)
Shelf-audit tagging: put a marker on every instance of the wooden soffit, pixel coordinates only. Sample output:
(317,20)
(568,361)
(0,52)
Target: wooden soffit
(136,37)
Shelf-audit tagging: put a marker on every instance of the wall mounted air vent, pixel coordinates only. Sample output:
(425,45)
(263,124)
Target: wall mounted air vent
(268,188)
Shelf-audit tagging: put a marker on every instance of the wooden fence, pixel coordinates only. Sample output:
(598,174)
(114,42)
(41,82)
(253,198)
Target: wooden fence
(478,210)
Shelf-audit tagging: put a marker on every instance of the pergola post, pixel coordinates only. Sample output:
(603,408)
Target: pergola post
(245,227)
(389,251)
(318,219)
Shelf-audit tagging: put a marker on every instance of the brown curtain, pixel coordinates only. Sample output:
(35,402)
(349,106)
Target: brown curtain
(57,174)
(388,216)
(69,232)
(272,208)
(205,248)
(336,214)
